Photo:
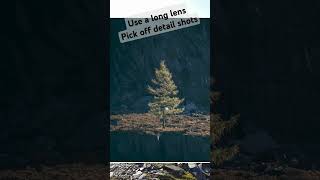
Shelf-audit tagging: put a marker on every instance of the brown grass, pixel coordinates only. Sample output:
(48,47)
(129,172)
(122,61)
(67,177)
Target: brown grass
(188,125)
(287,174)
(60,172)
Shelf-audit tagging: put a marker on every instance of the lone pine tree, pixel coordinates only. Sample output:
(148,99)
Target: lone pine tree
(165,100)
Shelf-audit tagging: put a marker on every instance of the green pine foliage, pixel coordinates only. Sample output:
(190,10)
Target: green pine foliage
(164,91)
(219,128)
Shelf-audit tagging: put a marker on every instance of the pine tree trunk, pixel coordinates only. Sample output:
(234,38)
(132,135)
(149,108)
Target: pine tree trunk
(163,123)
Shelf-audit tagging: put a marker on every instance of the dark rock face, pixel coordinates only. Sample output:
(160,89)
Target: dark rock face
(141,104)
(187,55)
(267,65)
(258,142)
(53,81)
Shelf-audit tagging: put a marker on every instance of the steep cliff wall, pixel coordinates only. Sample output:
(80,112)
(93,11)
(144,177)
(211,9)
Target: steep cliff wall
(267,64)
(187,54)
(53,82)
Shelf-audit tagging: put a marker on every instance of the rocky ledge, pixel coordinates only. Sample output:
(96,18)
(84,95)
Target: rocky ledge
(194,124)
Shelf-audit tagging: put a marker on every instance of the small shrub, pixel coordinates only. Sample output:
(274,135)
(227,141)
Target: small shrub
(188,176)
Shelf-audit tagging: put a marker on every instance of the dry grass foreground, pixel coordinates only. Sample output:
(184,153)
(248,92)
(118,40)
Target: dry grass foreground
(287,174)
(60,172)
(196,125)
